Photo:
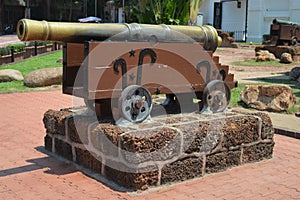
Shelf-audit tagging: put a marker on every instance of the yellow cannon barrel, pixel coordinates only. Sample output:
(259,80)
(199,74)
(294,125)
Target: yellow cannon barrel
(32,30)
(279,21)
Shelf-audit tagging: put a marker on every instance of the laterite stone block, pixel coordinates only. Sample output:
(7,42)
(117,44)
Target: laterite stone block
(181,170)
(55,121)
(48,142)
(258,152)
(222,161)
(63,149)
(87,160)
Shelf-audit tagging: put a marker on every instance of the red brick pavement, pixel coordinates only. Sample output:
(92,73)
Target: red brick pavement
(28,173)
(8,39)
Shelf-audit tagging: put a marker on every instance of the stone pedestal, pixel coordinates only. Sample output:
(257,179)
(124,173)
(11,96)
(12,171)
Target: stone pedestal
(162,150)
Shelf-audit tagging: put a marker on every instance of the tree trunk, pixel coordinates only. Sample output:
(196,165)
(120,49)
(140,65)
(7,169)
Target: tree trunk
(71,10)
(1,16)
(48,9)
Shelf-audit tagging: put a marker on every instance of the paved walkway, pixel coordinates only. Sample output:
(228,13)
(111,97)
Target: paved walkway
(8,39)
(28,173)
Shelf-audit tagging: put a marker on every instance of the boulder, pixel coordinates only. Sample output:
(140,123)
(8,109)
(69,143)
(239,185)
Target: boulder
(44,77)
(286,58)
(295,74)
(268,97)
(264,55)
(7,75)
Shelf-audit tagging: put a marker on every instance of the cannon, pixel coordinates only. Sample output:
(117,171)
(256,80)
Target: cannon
(284,32)
(117,68)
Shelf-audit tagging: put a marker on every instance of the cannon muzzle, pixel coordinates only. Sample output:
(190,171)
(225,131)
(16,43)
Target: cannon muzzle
(32,30)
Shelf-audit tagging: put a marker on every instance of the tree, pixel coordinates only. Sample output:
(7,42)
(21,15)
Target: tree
(1,13)
(64,10)
(194,8)
(48,8)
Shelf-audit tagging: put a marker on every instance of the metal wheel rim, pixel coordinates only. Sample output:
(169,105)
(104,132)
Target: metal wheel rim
(135,103)
(216,96)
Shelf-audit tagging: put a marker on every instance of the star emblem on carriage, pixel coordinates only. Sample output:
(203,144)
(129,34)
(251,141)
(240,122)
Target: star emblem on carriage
(132,53)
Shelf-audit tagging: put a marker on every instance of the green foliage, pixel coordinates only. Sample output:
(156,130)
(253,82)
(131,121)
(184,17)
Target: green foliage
(292,110)
(4,51)
(252,62)
(235,96)
(7,50)
(176,12)
(19,47)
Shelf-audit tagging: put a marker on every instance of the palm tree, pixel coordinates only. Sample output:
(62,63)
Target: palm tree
(163,11)
(194,9)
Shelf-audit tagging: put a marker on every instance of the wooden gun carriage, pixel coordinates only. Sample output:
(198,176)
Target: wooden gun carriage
(284,33)
(123,65)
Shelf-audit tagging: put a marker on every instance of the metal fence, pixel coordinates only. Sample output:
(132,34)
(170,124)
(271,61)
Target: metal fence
(239,36)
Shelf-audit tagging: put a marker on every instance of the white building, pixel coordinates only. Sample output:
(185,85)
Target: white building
(248,19)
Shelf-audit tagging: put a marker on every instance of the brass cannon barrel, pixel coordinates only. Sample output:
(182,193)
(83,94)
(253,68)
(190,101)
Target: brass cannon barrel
(32,30)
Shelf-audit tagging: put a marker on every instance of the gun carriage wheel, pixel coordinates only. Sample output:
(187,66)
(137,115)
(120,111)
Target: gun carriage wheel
(135,103)
(216,96)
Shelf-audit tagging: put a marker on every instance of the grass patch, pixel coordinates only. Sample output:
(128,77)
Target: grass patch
(36,62)
(27,66)
(220,50)
(253,63)
(249,43)
(235,96)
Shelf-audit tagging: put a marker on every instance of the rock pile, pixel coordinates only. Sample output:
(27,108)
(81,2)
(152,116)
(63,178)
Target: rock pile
(264,55)
(268,97)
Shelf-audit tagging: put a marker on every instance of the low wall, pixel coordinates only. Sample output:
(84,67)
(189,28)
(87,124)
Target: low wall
(164,150)
(29,52)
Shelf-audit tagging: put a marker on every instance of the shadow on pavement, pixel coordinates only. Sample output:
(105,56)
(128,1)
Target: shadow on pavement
(50,164)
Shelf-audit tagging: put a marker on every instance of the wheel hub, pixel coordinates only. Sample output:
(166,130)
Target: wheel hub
(216,96)
(135,103)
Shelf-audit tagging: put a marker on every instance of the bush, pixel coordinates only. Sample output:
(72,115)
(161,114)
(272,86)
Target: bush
(19,47)
(7,50)
(38,43)
(4,51)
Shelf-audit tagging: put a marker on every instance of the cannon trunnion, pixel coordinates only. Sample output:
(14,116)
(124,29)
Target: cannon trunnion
(120,66)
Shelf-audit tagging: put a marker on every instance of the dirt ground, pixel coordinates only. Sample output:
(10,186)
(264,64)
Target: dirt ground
(253,75)
(247,74)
